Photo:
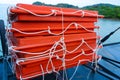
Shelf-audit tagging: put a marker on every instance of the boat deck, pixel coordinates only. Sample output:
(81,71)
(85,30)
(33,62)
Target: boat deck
(110,68)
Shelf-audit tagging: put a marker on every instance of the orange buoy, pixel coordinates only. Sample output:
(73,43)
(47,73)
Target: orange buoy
(26,9)
(47,39)
(25,17)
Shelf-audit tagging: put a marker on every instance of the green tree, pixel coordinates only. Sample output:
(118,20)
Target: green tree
(38,3)
(108,10)
(66,5)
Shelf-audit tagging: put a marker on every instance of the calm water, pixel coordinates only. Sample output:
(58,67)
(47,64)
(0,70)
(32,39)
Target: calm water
(107,26)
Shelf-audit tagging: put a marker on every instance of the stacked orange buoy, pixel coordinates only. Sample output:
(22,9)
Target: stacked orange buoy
(48,39)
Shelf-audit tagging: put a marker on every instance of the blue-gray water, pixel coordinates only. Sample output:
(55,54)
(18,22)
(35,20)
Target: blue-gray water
(107,26)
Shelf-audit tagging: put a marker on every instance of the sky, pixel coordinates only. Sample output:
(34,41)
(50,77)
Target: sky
(79,3)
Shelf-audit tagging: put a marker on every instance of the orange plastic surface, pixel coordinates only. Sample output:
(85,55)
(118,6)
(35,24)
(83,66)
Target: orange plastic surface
(25,17)
(27,69)
(36,26)
(34,43)
(68,32)
(47,10)
(43,40)
(69,46)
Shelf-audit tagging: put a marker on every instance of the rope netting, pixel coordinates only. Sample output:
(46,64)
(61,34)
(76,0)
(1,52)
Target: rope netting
(51,53)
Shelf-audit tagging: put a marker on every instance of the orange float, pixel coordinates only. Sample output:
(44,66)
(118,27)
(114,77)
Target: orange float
(36,26)
(69,39)
(21,9)
(32,69)
(28,17)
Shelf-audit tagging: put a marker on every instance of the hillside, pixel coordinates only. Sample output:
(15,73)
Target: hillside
(108,10)
(58,5)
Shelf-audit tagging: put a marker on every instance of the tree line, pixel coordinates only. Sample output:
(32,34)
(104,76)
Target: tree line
(108,10)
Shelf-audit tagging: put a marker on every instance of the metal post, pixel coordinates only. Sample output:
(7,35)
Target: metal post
(4,49)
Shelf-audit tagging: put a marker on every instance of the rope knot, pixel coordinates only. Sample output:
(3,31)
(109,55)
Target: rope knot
(18,61)
(83,14)
(76,25)
(83,40)
(49,30)
(83,52)
(11,47)
(54,12)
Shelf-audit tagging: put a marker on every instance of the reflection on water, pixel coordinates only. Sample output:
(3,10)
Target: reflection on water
(107,26)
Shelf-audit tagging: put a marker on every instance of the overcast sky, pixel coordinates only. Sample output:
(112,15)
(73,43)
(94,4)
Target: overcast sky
(79,3)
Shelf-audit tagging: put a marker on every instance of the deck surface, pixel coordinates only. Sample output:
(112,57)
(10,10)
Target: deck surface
(110,51)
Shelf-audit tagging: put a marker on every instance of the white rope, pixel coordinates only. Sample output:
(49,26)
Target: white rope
(88,75)
(51,55)
(96,57)
(50,59)
(9,63)
(32,53)
(29,33)
(18,61)
(50,52)
(83,12)
(54,46)
(96,52)
(76,47)
(83,53)
(63,31)
(37,57)
(42,72)
(75,71)
(49,30)
(54,12)
(21,77)
(64,45)
(32,76)
(78,67)
(38,15)
(41,54)
(85,28)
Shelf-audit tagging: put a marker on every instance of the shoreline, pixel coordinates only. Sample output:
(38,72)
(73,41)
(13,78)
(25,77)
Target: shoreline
(111,18)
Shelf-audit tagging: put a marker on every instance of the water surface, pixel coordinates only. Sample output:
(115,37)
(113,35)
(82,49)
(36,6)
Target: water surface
(107,26)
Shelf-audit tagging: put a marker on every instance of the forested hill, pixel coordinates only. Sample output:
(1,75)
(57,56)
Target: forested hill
(58,5)
(108,10)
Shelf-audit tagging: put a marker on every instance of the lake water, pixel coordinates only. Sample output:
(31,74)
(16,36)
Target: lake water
(107,26)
